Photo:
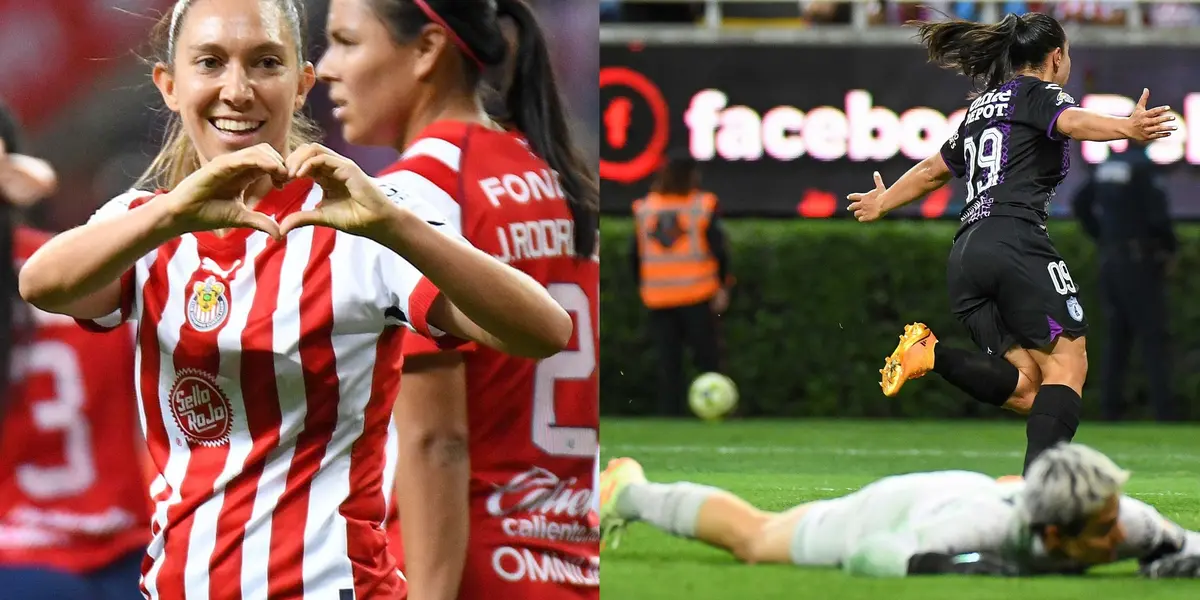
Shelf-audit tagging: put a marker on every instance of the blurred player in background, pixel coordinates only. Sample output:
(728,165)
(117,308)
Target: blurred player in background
(496,452)
(1067,515)
(1008,284)
(1124,209)
(74,513)
(269,293)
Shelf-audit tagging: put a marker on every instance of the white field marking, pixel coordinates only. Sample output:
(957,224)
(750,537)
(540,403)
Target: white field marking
(635,449)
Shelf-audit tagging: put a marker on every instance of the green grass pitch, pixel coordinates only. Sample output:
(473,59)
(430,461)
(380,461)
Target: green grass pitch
(778,464)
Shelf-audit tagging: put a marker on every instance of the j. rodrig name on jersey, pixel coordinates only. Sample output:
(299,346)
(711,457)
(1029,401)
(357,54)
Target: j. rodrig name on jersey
(528,240)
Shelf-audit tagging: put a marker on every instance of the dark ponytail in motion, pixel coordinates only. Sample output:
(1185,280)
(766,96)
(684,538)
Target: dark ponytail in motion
(532,101)
(536,107)
(991,54)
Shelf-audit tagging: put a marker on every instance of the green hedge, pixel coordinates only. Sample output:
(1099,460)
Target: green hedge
(819,304)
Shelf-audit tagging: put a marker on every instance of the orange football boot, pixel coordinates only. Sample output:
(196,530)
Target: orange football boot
(912,358)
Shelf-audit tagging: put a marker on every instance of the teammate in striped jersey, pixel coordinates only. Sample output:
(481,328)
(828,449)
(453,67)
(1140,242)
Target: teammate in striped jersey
(497,453)
(73,513)
(269,294)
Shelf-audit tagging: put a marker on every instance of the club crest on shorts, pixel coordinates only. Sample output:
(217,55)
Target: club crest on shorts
(208,305)
(1074,308)
(200,408)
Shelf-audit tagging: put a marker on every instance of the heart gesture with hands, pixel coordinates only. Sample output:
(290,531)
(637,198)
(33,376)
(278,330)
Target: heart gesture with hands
(216,195)
(352,202)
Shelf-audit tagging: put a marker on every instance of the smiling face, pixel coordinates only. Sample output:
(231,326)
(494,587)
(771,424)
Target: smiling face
(236,76)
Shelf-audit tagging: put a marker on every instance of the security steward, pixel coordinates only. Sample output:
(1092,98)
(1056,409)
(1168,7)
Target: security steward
(1126,212)
(681,263)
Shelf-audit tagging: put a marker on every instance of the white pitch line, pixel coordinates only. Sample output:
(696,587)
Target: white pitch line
(885,452)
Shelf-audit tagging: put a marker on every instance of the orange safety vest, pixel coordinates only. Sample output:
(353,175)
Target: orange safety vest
(677,265)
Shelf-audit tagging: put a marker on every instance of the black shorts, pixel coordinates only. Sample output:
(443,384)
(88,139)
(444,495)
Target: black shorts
(1009,286)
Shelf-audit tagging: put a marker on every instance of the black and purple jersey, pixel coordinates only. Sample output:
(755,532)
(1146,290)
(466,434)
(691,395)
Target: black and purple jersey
(1009,151)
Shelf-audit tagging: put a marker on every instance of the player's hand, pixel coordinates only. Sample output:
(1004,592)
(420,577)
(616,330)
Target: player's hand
(352,202)
(24,180)
(868,206)
(215,196)
(1149,124)
(1173,566)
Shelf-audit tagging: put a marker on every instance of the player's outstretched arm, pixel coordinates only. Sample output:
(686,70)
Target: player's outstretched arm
(925,177)
(1141,125)
(1150,536)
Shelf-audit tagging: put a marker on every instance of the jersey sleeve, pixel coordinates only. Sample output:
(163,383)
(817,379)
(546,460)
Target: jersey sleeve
(953,154)
(1149,535)
(1041,105)
(410,293)
(112,209)
(957,529)
(412,176)
(423,182)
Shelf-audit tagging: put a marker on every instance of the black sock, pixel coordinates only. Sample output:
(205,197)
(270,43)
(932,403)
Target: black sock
(1053,419)
(988,379)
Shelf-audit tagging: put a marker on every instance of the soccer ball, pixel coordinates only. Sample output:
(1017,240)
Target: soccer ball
(712,396)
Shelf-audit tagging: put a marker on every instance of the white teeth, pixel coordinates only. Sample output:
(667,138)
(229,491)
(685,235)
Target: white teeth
(236,126)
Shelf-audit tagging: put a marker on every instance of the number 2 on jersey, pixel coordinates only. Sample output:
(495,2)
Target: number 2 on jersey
(983,161)
(567,365)
(61,413)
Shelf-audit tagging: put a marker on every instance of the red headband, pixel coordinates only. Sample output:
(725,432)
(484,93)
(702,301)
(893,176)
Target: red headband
(433,16)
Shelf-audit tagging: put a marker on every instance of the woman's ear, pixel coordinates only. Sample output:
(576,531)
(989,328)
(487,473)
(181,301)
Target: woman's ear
(164,80)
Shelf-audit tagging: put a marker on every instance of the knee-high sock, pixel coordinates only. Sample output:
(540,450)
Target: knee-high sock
(988,379)
(1053,419)
(671,507)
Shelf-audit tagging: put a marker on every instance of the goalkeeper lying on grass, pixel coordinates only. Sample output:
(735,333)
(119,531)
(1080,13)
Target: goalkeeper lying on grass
(1065,516)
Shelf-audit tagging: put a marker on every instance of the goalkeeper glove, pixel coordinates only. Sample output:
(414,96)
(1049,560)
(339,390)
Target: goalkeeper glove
(972,563)
(1173,566)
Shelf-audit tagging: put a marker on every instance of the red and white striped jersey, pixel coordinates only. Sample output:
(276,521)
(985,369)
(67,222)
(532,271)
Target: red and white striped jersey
(72,493)
(266,376)
(533,425)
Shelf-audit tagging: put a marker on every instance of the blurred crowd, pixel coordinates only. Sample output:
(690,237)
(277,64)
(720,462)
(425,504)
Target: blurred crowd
(885,12)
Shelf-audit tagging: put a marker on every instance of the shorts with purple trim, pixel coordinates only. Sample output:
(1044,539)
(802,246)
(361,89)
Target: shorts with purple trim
(1009,286)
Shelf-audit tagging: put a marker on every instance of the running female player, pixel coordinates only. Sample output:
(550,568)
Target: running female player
(267,348)
(74,513)
(495,448)
(1008,285)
